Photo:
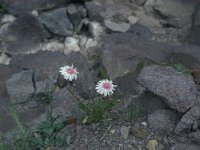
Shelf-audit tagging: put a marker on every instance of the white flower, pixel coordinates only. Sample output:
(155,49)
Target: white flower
(105,87)
(69,73)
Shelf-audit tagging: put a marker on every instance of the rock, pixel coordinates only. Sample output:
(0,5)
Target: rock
(187,60)
(195,136)
(71,44)
(4,59)
(186,146)
(139,132)
(7,19)
(147,19)
(24,35)
(152,145)
(133,19)
(95,11)
(95,29)
(35,13)
(49,63)
(64,104)
(124,132)
(57,21)
(20,87)
(148,103)
(189,50)
(138,2)
(188,120)
(21,6)
(43,84)
(173,16)
(75,16)
(178,89)
(128,84)
(126,50)
(162,119)
(141,31)
(116,27)
(90,43)
(53,46)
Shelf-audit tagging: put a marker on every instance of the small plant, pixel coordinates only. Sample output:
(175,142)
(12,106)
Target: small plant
(181,68)
(94,111)
(48,96)
(45,135)
(133,112)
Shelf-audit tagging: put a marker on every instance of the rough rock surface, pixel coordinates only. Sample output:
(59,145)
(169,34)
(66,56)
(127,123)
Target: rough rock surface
(49,63)
(162,119)
(178,89)
(57,21)
(20,87)
(24,35)
(189,121)
(125,51)
(21,6)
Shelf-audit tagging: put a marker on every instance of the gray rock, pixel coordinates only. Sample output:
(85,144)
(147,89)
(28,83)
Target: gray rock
(178,89)
(20,87)
(141,31)
(95,29)
(125,51)
(128,85)
(195,136)
(188,120)
(24,35)
(43,84)
(95,11)
(186,146)
(75,16)
(187,60)
(148,103)
(162,119)
(124,132)
(57,21)
(21,6)
(169,12)
(116,27)
(64,104)
(49,63)
(138,2)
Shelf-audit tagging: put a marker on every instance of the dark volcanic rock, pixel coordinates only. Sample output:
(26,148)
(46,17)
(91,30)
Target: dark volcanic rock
(189,120)
(122,52)
(49,63)
(20,87)
(162,119)
(21,6)
(178,89)
(95,11)
(141,31)
(24,35)
(57,21)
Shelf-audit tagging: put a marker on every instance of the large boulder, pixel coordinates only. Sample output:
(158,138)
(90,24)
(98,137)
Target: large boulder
(57,21)
(24,35)
(167,10)
(178,89)
(21,6)
(122,52)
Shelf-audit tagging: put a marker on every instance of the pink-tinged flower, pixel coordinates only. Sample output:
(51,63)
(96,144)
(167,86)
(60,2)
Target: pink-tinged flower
(69,73)
(105,87)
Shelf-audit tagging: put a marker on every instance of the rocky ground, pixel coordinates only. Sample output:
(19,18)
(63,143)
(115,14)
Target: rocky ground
(149,48)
